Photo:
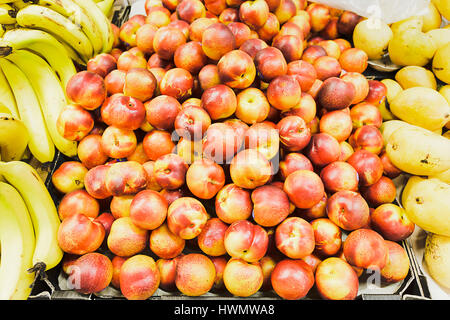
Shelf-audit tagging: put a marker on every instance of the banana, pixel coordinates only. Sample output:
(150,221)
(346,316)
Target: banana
(102,22)
(82,61)
(12,248)
(7,27)
(40,144)
(107,7)
(19,4)
(17,243)
(10,196)
(42,209)
(4,109)
(38,17)
(79,16)
(43,44)
(7,96)
(7,14)
(14,138)
(26,155)
(49,92)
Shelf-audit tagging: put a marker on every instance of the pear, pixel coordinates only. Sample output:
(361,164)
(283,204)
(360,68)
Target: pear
(440,36)
(431,18)
(414,22)
(441,63)
(445,91)
(414,76)
(386,114)
(372,36)
(423,107)
(443,6)
(411,47)
(437,258)
(393,89)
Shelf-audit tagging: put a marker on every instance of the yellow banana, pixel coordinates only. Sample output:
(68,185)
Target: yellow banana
(7,27)
(13,138)
(27,155)
(49,92)
(102,22)
(43,44)
(19,4)
(82,61)
(7,96)
(4,109)
(16,241)
(107,7)
(7,14)
(40,144)
(42,209)
(5,112)
(11,197)
(79,16)
(38,17)
(12,248)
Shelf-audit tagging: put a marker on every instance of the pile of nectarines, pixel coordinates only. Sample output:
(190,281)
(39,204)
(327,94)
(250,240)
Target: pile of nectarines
(243,131)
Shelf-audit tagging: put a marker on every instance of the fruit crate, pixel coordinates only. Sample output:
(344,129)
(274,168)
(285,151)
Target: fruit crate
(53,285)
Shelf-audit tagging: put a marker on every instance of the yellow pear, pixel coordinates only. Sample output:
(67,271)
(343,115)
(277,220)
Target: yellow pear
(443,6)
(441,63)
(423,107)
(445,91)
(426,202)
(437,258)
(372,36)
(431,18)
(411,47)
(414,22)
(393,88)
(443,176)
(385,112)
(440,36)
(415,76)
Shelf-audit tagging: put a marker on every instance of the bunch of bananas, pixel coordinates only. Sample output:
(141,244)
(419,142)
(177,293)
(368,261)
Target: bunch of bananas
(28,229)
(41,41)
(82,26)
(35,98)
